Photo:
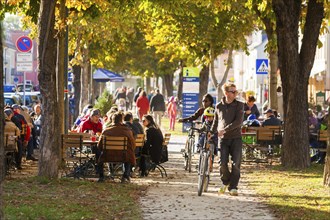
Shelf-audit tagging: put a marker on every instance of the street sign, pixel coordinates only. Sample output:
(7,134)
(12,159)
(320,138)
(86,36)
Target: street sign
(24,44)
(16,80)
(24,67)
(24,57)
(262,66)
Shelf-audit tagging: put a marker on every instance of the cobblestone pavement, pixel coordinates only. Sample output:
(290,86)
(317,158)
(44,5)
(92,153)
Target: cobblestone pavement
(175,197)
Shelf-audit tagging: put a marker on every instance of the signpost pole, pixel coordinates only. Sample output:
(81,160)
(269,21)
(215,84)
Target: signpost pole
(24,79)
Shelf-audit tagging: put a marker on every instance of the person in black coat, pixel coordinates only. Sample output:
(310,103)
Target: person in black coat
(153,143)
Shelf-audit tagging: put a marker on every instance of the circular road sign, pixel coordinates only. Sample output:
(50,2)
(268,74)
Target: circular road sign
(16,80)
(24,44)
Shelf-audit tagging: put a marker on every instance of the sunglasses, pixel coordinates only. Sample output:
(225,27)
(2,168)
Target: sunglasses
(234,92)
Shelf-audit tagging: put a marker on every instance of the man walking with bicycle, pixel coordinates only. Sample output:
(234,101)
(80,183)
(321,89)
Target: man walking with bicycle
(227,122)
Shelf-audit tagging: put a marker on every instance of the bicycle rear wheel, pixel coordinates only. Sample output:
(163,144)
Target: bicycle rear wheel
(202,173)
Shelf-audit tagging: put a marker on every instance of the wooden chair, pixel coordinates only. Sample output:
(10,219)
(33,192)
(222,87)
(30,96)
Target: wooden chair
(164,157)
(139,142)
(322,135)
(116,147)
(72,154)
(10,147)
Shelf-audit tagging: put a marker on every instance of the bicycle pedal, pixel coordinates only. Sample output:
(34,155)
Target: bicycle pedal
(182,150)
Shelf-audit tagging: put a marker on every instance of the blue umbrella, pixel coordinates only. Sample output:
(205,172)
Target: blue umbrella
(104,75)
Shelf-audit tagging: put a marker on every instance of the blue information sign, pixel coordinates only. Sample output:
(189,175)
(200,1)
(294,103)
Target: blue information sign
(262,66)
(24,44)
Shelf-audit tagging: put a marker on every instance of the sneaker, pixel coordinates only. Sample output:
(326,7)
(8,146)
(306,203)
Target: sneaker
(233,192)
(222,189)
(101,180)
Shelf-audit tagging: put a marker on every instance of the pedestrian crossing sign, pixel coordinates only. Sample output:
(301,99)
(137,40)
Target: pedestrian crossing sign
(262,66)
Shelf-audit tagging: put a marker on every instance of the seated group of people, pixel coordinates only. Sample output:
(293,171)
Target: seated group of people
(26,125)
(315,125)
(117,123)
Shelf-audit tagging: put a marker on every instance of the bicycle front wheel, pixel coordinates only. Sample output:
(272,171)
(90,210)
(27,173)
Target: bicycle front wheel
(191,144)
(202,173)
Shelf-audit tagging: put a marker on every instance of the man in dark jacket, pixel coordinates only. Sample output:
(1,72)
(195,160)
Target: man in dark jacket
(157,106)
(271,119)
(228,122)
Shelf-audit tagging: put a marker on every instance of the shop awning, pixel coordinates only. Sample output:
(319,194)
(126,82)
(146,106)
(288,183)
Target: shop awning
(104,75)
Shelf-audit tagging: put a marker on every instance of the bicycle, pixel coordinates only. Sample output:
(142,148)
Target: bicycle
(205,167)
(190,145)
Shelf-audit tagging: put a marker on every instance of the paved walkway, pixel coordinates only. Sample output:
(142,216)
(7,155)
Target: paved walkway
(175,197)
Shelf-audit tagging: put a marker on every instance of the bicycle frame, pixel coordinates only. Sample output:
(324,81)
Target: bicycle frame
(190,145)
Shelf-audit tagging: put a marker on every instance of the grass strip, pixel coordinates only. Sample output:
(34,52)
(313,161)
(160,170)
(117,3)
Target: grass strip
(292,194)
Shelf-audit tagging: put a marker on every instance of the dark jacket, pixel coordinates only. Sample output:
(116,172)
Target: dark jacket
(228,117)
(272,120)
(119,131)
(134,129)
(195,116)
(153,144)
(157,103)
(254,110)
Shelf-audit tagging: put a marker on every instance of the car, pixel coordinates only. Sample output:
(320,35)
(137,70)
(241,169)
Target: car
(30,98)
(28,87)
(12,98)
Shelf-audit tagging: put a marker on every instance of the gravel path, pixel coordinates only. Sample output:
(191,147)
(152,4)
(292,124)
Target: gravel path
(175,197)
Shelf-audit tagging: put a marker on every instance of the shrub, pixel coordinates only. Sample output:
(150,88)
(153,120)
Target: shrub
(104,102)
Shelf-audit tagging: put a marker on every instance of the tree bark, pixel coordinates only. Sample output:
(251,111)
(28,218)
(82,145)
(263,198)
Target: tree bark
(2,153)
(168,79)
(85,86)
(180,84)
(295,69)
(76,71)
(203,82)
(273,80)
(61,66)
(50,134)
(326,173)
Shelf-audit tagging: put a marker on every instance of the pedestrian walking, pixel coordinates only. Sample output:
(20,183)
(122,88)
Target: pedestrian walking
(228,122)
(157,107)
(171,112)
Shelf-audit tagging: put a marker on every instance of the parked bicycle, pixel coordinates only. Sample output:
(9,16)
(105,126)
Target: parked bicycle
(205,165)
(190,145)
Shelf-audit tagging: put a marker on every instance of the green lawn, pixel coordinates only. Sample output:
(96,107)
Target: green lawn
(38,198)
(293,194)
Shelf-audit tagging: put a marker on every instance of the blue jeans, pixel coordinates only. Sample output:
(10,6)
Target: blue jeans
(232,147)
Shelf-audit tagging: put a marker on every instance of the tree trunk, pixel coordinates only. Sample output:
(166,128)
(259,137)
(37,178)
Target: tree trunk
(85,87)
(147,86)
(168,79)
(2,153)
(76,82)
(295,68)
(225,75)
(273,80)
(180,84)
(326,173)
(203,82)
(50,134)
(60,67)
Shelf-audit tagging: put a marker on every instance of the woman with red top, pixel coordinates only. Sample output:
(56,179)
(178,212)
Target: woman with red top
(171,111)
(142,104)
